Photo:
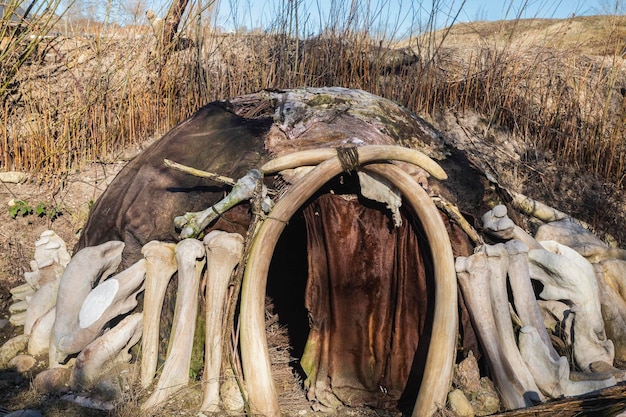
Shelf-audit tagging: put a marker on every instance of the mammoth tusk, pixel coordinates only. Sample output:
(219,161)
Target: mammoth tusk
(224,252)
(254,350)
(440,362)
(160,266)
(366,153)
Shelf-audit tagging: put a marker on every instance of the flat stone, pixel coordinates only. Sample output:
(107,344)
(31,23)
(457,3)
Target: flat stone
(13,177)
(24,413)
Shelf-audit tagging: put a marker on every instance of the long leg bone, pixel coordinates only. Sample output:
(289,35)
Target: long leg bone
(224,252)
(190,256)
(474,275)
(76,283)
(566,275)
(498,263)
(523,294)
(160,266)
(192,224)
(106,352)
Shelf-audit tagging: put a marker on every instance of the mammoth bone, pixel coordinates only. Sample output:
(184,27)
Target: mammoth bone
(190,257)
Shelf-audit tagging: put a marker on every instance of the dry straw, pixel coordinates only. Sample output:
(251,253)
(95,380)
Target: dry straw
(94,89)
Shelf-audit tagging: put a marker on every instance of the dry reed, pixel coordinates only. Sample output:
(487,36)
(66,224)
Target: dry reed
(91,95)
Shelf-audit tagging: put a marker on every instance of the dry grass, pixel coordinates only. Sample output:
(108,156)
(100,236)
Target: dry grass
(87,98)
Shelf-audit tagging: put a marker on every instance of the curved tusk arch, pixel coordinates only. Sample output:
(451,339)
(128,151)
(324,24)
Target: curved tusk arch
(368,153)
(254,352)
(436,378)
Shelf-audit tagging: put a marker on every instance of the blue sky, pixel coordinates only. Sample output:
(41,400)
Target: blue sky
(402,14)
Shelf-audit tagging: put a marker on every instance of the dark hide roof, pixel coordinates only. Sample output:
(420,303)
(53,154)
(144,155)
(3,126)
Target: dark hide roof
(140,203)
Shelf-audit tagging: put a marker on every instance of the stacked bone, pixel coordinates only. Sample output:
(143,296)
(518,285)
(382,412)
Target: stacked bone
(34,300)
(582,280)
(69,306)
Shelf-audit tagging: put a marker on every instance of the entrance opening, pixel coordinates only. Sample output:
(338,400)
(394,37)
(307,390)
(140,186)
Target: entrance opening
(356,296)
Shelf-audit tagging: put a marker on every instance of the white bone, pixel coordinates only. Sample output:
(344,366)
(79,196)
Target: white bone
(376,188)
(49,249)
(566,275)
(224,251)
(498,263)
(112,298)
(497,223)
(21,292)
(523,294)
(190,256)
(553,375)
(106,352)
(18,319)
(487,307)
(77,281)
(41,302)
(611,289)
(160,266)
(41,332)
(191,224)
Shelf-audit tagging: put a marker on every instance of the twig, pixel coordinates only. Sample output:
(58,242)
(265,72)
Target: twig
(455,215)
(199,172)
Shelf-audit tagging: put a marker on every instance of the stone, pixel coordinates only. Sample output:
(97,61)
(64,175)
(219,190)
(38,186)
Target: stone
(467,375)
(232,401)
(24,413)
(459,404)
(22,363)
(13,177)
(487,401)
(11,348)
(52,381)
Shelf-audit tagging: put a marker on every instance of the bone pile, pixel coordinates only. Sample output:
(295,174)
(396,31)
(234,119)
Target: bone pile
(581,279)
(67,307)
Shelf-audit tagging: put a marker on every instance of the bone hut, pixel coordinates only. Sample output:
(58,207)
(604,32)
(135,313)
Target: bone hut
(360,270)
